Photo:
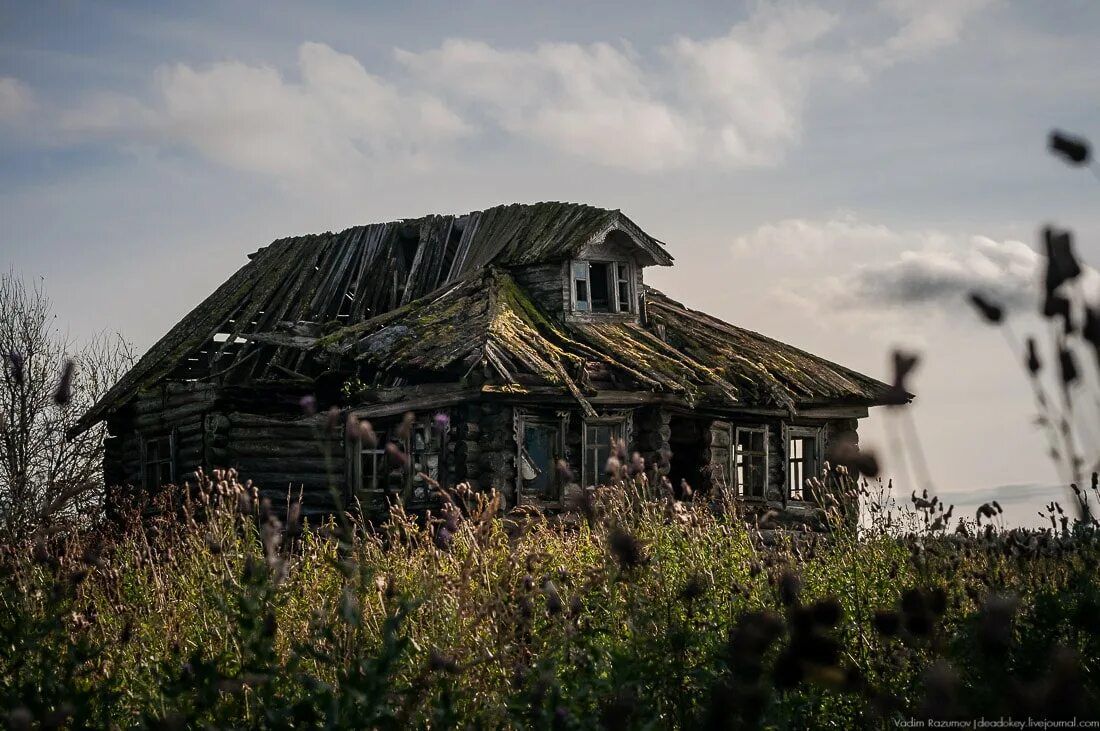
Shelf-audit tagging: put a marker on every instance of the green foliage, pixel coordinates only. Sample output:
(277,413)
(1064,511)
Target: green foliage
(639,614)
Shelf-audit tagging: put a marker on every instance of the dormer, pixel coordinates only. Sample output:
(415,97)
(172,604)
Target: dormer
(585,264)
(604,278)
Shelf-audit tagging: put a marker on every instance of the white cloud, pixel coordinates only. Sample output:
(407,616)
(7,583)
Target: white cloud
(16,99)
(925,25)
(737,99)
(252,118)
(896,268)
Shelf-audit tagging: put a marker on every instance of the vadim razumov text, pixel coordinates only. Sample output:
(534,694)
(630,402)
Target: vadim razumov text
(1005,722)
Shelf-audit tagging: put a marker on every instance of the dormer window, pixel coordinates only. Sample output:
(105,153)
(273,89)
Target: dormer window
(602,286)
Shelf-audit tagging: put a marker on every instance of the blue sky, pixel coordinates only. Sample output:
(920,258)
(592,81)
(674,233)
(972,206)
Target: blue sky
(834,174)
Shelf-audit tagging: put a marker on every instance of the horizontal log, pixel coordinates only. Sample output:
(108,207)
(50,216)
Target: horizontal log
(279,434)
(239,419)
(289,448)
(274,464)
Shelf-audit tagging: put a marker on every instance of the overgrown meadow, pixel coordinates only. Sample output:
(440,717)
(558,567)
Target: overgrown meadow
(631,614)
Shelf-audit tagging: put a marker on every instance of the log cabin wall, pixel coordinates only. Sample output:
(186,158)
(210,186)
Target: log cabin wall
(173,414)
(496,451)
(544,283)
(285,456)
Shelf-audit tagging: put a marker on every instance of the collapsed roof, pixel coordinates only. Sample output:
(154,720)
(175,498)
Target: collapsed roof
(303,283)
(432,295)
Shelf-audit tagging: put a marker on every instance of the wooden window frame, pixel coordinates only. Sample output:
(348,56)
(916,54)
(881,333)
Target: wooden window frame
(790,433)
(356,450)
(625,427)
(735,454)
(559,420)
(146,440)
(580,271)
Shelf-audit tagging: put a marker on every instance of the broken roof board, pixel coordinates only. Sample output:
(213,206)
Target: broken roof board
(351,276)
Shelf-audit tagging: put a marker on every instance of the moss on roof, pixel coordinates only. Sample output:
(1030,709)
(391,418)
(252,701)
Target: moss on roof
(487,320)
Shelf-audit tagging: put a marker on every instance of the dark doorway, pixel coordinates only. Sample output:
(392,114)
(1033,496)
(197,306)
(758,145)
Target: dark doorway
(688,453)
(599,280)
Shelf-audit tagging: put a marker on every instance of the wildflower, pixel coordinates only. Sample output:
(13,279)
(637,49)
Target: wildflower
(440,663)
(992,312)
(64,391)
(553,598)
(1074,150)
(565,474)
(1033,362)
(1062,264)
(827,612)
(1067,365)
(693,588)
(886,623)
(904,363)
(404,429)
(789,588)
(626,549)
(396,456)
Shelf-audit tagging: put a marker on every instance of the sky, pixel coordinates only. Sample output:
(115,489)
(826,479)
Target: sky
(838,175)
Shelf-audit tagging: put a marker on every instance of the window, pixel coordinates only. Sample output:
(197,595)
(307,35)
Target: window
(751,461)
(623,286)
(539,449)
(158,466)
(802,460)
(602,286)
(374,467)
(423,448)
(599,436)
(427,444)
(580,287)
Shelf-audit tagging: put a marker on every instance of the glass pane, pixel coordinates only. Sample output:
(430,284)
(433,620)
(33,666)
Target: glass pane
(582,295)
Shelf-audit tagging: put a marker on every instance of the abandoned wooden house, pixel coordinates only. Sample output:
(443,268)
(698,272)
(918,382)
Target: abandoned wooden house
(516,336)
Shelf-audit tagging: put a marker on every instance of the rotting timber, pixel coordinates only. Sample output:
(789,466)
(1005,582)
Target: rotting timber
(518,337)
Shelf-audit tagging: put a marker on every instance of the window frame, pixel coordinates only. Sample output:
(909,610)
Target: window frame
(621,425)
(357,450)
(790,433)
(146,440)
(735,462)
(620,275)
(559,421)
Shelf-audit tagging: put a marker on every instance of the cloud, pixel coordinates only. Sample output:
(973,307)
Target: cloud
(735,100)
(16,99)
(1007,271)
(252,118)
(925,25)
(898,269)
